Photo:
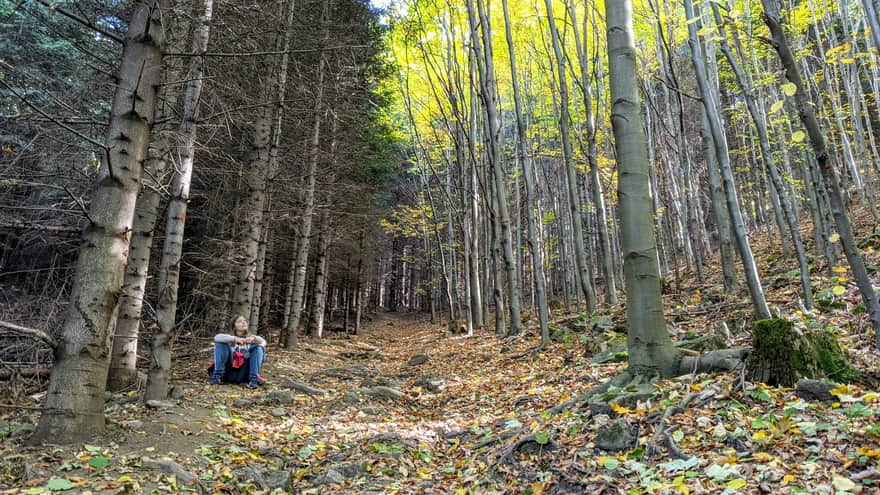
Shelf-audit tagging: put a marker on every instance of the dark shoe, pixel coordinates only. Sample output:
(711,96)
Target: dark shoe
(215,379)
(256,382)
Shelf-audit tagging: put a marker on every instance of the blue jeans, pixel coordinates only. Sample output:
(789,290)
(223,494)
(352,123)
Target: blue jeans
(223,357)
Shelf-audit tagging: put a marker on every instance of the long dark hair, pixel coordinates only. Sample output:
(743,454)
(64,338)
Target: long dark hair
(232,325)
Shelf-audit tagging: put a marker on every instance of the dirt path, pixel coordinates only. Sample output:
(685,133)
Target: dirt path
(376,407)
(471,419)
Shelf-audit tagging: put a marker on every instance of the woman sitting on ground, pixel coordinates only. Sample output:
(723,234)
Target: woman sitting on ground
(238,357)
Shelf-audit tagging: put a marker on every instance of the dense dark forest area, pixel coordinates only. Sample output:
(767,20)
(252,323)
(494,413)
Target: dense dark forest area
(619,246)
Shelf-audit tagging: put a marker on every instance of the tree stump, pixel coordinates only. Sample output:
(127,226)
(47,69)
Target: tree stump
(781,355)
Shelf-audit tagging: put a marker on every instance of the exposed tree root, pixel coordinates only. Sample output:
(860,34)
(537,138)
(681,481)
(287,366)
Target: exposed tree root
(663,433)
(715,361)
(508,455)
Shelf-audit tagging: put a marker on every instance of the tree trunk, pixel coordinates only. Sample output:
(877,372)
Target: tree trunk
(533,214)
(721,152)
(764,140)
(262,167)
(123,360)
(289,339)
(169,267)
(826,165)
(74,404)
(651,351)
(319,295)
(574,204)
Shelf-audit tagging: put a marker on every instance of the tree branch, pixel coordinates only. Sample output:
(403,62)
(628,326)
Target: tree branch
(53,7)
(31,332)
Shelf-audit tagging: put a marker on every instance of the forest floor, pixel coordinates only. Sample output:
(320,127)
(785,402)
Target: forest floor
(474,417)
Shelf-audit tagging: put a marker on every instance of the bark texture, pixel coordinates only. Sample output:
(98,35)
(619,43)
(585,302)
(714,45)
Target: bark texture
(651,351)
(74,405)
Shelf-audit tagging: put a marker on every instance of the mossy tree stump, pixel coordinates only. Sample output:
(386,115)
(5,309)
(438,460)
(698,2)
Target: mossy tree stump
(781,355)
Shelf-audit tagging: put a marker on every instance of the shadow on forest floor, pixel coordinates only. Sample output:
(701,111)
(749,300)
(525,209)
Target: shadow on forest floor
(359,415)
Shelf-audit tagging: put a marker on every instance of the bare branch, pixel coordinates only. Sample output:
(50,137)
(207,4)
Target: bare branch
(53,7)
(31,332)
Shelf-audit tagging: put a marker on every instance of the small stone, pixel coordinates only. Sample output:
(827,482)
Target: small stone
(615,438)
(133,424)
(23,430)
(431,384)
(242,402)
(383,392)
(279,480)
(598,408)
(177,392)
(374,411)
(332,476)
(601,420)
(253,474)
(418,359)
(282,397)
(278,412)
(814,390)
(160,404)
(353,470)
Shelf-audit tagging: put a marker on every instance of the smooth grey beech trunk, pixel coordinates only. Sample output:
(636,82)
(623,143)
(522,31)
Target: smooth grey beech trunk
(721,152)
(533,214)
(791,221)
(807,115)
(172,251)
(651,352)
(586,85)
(74,404)
(496,162)
(583,268)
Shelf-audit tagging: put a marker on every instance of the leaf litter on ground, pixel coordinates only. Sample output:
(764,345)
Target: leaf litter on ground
(489,428)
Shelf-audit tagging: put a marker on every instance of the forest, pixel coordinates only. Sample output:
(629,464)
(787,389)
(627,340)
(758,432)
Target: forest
(439,246)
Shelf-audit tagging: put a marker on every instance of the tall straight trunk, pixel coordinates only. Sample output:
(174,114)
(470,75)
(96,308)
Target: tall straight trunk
(826,165)
(289,339)
(252,215)
(745,85)
(873,21)
(531,211)
(721,151)
(123,360)
(319,295)
(496,162)
(260,272)
(74,404)
(261,169)
(592,153)
(172,251)
(650,349)
(719,206)
(498,277)
(687,211)
(574,204)
(474,286)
